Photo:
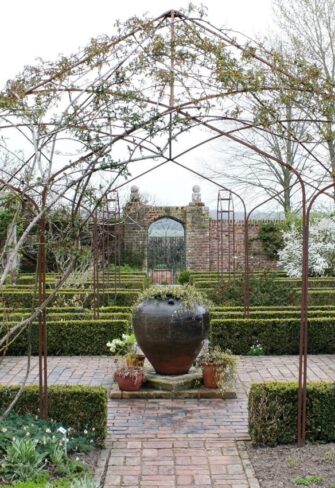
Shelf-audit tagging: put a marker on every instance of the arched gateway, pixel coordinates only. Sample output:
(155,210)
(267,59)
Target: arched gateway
(185,237)
(175,237)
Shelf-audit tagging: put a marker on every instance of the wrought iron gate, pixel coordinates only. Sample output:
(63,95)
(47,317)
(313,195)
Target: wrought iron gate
(166,245)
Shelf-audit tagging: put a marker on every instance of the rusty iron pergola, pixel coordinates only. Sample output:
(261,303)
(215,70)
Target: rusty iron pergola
(101,241)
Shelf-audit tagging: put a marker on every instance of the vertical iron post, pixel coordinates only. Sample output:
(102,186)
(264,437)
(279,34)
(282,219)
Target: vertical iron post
(42,328)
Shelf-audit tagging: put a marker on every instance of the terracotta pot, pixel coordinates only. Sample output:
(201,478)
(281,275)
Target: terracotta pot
(129,380)
(210,375)
(170,336)
(135,360)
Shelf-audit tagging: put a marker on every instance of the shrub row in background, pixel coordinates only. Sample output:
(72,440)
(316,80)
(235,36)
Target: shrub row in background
(274,308)
(87,315)
(66,309)
(316,297)
(273,413)
(29,278)
(210,282)
(79,407)
(270,314)
(73,337)
(13,299)
(276,336)
(321,297)
(126,285)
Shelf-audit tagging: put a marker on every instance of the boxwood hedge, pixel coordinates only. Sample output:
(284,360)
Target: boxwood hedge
(273,413)
(79,407)
(73,337)
(277,336)
(22,298)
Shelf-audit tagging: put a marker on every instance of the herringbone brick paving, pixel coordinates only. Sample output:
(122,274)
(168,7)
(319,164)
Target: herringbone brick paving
(174,443)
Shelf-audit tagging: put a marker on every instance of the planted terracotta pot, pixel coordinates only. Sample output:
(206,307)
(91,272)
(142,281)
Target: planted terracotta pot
(135,360)
(170,335)
(209,375)
(129,379)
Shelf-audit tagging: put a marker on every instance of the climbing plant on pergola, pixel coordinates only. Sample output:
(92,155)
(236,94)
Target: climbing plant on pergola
(137,94)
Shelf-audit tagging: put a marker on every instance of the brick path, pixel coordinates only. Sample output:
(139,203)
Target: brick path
(174,443)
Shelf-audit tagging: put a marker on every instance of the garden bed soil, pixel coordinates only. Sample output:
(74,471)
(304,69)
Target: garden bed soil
(290,467)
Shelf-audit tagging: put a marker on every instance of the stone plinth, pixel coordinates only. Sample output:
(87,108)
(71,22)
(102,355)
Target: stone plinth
(157,386)
(189,381)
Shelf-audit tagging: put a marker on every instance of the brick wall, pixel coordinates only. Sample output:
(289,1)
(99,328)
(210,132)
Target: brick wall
(257,258)
(201,241)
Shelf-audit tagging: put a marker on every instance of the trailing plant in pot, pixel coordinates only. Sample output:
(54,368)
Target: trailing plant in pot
(127,347)
(170,325)
(219,368)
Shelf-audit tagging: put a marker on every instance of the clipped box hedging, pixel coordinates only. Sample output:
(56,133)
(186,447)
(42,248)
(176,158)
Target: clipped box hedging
(73,337)
(321,296)
(11,317)
(316,296)
(277,336)
(79,407)
(67,309)
(21,298)
(314,282)
(273,413)
(273,308)
(270,314)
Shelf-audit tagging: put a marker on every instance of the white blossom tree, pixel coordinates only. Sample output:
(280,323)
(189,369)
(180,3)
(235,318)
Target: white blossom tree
(321,249)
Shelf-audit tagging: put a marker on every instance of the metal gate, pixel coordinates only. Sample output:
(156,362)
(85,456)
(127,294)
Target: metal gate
(166,249)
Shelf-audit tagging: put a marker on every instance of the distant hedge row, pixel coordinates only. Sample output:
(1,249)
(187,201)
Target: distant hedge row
(271,314)
(277,336)
(316,296)
(65,316)
(14,298)
(73,337)
(315,284)
(126,285)
(273,413)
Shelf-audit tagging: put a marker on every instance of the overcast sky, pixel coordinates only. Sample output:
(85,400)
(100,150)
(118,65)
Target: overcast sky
(36,28)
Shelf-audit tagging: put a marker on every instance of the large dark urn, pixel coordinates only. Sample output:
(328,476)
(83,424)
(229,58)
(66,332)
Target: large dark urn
(170,335)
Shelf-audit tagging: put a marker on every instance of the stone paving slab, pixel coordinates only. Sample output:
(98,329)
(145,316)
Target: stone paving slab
(174,442)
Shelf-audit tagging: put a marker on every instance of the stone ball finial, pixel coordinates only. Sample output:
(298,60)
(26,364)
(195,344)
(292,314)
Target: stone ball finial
(134,194)
(196,195)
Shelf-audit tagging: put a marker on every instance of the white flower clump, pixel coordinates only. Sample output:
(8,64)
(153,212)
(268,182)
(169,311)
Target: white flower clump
(114,345)
(321,247)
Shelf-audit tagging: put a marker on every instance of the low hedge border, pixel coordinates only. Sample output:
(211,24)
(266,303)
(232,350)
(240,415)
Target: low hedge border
(79,407)
(270,307)
(273,413)
(72,337)
(24,298)
(277,336)
(12,316)
(316,296)
(126,285)
(266,314)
